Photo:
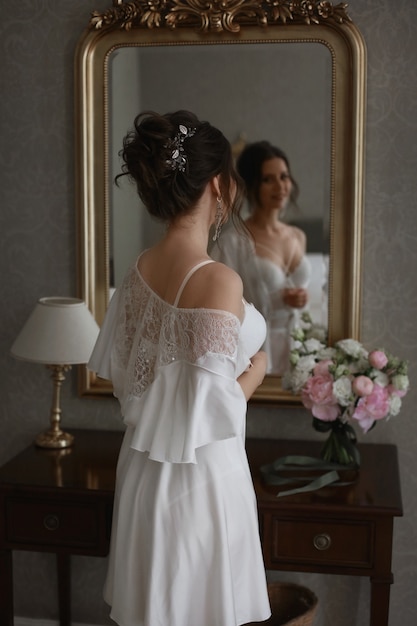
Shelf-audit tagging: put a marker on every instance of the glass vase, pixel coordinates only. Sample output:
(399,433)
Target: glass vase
(340,447)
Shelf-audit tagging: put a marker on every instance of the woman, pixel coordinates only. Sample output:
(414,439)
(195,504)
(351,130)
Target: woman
(181,347)
(272,261)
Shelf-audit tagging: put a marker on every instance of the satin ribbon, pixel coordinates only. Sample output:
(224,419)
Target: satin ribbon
(272,473)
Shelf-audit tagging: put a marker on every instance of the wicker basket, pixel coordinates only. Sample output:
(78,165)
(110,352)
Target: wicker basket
(291,605)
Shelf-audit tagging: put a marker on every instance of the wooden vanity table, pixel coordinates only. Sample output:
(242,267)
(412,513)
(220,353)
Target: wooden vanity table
(335,530)
(61,502)
(57,501)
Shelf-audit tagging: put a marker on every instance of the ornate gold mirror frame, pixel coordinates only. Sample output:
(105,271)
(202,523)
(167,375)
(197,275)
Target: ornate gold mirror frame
(186,22)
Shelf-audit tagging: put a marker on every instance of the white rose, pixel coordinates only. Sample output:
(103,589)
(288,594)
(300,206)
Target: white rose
(313,345)
(295,380)
(298,334)
(306,363)
(379,378)
(352,348)
(394,405)
(401,382)
(342,391)
(298,376)
(327,353)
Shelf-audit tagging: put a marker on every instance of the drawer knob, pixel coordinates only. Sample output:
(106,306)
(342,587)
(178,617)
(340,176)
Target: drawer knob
(51,522)
(322,541)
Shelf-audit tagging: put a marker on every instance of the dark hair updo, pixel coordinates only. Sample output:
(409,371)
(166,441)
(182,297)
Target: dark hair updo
(249,166)
(166,190)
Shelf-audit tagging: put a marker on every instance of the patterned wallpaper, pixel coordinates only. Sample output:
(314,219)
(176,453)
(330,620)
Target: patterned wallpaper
(37,252)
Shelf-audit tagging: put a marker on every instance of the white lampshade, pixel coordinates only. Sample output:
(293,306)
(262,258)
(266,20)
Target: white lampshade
(59,331)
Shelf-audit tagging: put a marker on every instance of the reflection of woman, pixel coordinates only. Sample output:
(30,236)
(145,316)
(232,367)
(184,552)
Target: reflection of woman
(272,263)
(181,348)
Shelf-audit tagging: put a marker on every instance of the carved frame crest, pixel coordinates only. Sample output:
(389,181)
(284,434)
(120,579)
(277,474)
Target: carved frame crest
(217,15)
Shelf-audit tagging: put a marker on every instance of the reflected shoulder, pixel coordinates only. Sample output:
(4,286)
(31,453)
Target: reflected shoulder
(299,234)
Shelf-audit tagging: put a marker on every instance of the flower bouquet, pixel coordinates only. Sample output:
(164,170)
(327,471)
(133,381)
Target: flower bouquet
(343,385)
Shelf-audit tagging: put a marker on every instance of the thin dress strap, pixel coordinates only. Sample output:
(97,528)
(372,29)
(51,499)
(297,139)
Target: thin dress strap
(187,278)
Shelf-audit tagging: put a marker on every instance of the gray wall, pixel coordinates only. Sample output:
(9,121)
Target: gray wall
(37,251)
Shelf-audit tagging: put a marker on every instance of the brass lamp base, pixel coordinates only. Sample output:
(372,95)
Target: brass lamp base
(54,439)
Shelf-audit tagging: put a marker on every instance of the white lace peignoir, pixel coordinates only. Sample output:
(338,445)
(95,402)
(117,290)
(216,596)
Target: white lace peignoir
(185,548)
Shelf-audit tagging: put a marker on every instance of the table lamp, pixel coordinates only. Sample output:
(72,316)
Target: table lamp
(59,333)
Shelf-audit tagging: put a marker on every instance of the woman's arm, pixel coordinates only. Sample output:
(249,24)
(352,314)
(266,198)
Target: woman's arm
(253,377)
(295,297)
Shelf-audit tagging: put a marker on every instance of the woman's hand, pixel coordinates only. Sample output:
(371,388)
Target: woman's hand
(254,375)
(296,298)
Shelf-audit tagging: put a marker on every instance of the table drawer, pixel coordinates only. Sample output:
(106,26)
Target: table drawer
(48,523)
(322,542)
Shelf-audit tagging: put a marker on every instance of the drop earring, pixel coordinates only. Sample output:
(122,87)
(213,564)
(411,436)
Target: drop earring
(218,219)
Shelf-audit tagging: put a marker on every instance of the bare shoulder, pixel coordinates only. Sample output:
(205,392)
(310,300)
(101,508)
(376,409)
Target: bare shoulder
(298,234)
(218,287)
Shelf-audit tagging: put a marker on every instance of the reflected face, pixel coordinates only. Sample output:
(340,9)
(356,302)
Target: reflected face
(275,186)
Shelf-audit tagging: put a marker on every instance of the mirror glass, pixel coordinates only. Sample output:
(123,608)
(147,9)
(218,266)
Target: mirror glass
(298,86)
(283,94)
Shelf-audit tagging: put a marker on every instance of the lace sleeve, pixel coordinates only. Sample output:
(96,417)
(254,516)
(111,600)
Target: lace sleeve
(185,335)
(189,334)
(148,333)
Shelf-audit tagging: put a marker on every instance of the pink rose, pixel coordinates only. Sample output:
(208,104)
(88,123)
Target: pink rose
(362,386)
(378,359)
(322,367)
(326,413)
(373,407)
(317,395)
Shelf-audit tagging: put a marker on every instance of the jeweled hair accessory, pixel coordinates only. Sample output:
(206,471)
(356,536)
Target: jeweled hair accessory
(178,158)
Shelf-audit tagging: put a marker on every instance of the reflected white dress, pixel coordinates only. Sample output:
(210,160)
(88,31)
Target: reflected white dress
(185,547)
(263,282)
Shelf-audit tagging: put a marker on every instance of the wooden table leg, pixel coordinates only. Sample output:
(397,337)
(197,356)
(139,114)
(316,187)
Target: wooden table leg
(64,588)
(6,588)
(380,592)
